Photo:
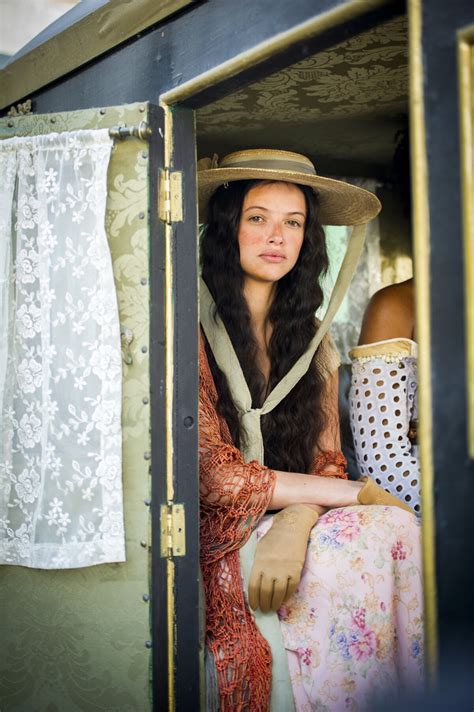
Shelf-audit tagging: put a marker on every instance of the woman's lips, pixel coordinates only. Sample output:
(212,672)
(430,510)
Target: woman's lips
(272,257)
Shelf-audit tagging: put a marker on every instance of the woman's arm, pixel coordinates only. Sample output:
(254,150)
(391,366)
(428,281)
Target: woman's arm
(383,390)
(230,484)
(390,314)
(381,407)
(327,492)
(227,480)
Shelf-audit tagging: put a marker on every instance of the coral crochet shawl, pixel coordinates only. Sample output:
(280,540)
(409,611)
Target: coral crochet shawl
(234,496)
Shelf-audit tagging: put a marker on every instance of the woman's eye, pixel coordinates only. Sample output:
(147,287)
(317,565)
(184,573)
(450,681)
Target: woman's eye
(294,223)
(256,218)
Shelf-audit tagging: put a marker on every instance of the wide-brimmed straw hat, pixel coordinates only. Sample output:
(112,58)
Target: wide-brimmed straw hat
(339,203)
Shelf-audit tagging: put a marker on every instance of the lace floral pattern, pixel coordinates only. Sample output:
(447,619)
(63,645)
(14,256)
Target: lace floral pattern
(60,363)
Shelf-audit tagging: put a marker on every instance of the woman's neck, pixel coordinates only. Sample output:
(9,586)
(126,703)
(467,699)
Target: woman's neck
(259,297)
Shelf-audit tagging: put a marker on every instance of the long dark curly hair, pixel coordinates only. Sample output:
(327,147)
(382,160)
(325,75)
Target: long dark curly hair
(291,430)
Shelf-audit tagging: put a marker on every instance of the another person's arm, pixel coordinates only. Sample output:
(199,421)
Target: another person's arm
(382,394)
(390,314)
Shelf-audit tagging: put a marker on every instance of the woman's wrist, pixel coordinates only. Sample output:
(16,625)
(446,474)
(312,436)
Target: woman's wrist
(341,493)
(318,508)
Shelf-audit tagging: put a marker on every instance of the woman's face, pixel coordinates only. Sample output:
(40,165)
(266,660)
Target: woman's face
(271,230)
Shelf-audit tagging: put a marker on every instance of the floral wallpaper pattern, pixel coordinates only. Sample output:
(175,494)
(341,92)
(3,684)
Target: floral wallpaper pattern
(348,98)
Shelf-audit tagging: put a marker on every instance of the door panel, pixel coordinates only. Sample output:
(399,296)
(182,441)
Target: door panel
(77,639)
(186,414)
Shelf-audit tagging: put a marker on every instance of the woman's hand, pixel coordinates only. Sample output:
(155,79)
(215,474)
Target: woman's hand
(280,556)
(371,493)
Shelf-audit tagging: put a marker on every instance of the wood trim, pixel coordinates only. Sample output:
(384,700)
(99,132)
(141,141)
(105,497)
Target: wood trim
(267,49)
(466,113)
(421,230)
(188,635)
(169,419)
(161,571)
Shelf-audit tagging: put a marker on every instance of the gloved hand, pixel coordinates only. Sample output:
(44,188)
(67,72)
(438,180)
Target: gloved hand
(279,557)
(371,493)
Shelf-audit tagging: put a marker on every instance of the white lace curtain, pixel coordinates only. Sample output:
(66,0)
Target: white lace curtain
(60,360)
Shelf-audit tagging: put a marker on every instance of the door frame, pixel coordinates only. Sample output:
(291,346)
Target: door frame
(179,154)
(442,262)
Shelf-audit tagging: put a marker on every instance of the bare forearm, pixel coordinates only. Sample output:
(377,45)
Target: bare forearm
(325,492)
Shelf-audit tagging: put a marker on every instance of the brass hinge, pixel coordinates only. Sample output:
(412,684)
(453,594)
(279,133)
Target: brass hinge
(172,526)
(170,203)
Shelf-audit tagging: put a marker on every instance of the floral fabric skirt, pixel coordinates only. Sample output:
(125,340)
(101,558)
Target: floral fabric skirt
(354,628)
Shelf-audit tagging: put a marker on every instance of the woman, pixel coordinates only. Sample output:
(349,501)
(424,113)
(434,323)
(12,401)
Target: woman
(383,395)
(269,440)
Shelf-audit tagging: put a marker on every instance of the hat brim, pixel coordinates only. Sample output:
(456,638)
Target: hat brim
(339,203)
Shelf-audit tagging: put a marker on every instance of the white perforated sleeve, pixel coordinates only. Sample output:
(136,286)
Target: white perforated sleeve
(383,408)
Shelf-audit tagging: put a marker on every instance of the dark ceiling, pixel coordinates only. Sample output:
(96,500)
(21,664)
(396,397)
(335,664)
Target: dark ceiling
(341,107)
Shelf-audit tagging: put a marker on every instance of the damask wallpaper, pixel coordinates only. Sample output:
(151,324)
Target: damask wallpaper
(75,639)
(341,107)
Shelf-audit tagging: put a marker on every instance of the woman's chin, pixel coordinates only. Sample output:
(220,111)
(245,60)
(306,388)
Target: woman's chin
(270,273)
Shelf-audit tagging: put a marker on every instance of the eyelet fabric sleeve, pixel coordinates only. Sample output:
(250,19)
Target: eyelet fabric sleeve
(383,406)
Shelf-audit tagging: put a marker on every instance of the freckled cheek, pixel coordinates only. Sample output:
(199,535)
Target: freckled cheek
(247,239)
(295,250)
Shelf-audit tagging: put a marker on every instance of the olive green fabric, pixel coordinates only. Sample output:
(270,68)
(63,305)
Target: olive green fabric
(75,639)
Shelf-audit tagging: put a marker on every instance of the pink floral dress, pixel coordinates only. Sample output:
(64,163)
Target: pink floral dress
(353,630)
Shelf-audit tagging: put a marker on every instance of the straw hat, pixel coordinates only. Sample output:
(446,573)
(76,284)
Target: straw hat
(340,203)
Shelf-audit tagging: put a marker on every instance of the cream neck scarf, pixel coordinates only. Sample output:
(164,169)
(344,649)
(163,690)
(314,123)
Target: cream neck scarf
(227,361)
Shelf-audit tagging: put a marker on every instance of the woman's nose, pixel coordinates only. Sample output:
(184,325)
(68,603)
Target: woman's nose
(276,234)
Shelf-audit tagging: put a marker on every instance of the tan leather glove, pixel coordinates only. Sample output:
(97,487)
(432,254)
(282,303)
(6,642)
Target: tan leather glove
(279,557)
(371,493)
